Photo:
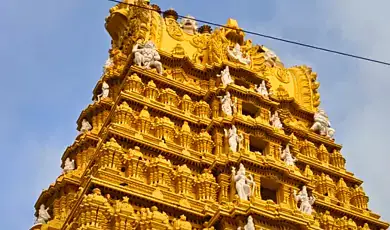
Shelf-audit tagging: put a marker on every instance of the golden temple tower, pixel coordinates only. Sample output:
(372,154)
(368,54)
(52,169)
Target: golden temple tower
(194,128)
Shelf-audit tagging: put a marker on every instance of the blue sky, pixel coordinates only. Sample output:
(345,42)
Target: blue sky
(52,52)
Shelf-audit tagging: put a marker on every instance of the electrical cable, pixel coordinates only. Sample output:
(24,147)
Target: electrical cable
(267,36)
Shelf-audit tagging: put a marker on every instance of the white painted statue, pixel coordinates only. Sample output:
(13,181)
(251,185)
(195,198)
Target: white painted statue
(105,91)
(262,89)
(189,25)
(109,63)
(68,165)
(148,57)
(43,215)
(275,121)
(225,77)
(236,55)
(235,140)
(243,183)
(228,107)
(85,126)
(287,157)
(306,201)
(322,124)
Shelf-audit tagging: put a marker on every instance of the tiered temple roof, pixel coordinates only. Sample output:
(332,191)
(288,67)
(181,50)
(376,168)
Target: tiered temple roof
(194,128)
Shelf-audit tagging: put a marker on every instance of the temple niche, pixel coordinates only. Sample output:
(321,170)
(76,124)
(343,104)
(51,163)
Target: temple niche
(194,127)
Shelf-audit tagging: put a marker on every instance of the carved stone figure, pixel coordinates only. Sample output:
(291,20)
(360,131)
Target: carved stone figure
(243,184)
(262,90)
(306,201)
(105,91)
(287,157)
(189,25)
(236,55)
(322,124)
(275,121)
(225,77)
(85,126)
(43,215)
(234,139)
(68,166)
(249,225)
(228,107)
(147,56)
(109,63)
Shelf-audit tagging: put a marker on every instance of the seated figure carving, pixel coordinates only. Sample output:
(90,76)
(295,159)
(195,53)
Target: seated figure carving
(236,54)
(322,124)
(147,56)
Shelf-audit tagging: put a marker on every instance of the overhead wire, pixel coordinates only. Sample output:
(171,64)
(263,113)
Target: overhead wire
(266,36)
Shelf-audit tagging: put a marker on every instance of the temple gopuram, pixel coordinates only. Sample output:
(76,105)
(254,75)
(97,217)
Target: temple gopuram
(198,128)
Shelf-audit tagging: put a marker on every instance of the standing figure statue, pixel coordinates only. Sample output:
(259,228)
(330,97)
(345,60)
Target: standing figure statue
(109,63)
(68,165)
(262,90)
(243,184)
(322,125)
(148,57)
(105,91)
(275,121)
(306,201)
(228,107)
(236,55)
(235,140)
(85,126)
(225,77)
(43,215)
(287,157)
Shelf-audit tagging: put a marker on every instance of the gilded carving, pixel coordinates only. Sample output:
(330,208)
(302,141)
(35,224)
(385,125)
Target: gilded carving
(173,29)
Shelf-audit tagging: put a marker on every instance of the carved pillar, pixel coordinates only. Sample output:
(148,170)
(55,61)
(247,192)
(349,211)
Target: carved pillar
(219,141)
(224,184)
(238,102)
(246,142)
(274,151)
(215,105)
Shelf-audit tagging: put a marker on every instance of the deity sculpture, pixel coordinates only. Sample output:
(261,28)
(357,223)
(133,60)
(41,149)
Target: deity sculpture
(249,225)
(225,77)
(275,121)
(228,107)
(306,201)
(262,90)
(43,215)
(105,91)
(243,183)
(68,166)
(234,139)
(85,126)
(147,56)
(109,63)
(236,55)
(322,124)
(189,25)
(287,157)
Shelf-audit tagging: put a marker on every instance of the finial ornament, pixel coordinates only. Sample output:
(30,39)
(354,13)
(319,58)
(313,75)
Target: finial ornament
(244,185)
(43,215)
(147,56)
(287,157)
(189,25)
(105,91)
(227,105)
(236,54)
(306,201)
(225,77)
(275,121)
(234,139)
(85,126)
(68,165)
(322,124)
(262,90)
